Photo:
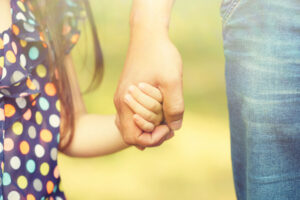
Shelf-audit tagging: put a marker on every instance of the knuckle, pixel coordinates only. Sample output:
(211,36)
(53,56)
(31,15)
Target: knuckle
(176,110)
(152,118)
(172,81)
(117,122)
(158,107)
(155,107)
(128,139)
(116,101)
(158,120)
(148,116)
(148,127)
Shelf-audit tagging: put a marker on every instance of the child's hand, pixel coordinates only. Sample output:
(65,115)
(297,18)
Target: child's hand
(145,100)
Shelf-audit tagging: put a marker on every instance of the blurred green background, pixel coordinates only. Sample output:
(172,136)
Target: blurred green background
(195,164)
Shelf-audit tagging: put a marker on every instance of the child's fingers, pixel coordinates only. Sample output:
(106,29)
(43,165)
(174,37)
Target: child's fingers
(143,124)
(142,111)
(151,91)
(147,101)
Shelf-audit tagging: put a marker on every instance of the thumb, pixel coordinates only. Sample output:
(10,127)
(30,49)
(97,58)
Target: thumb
(173,104)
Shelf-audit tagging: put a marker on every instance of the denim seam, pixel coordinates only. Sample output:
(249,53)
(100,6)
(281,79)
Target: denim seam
(229,11)
(274,179)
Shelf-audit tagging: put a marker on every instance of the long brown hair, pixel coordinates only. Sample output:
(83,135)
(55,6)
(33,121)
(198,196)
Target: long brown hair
(57,45)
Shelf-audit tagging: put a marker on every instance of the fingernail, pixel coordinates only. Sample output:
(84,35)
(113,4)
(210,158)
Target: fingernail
(131,88)
(176,124)
(141,85)
(127,97)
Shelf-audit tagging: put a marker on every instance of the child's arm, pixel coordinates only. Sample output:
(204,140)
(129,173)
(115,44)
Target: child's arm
(97,135)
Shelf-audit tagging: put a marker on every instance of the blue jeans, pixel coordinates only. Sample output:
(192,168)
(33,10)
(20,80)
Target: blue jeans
(261,40)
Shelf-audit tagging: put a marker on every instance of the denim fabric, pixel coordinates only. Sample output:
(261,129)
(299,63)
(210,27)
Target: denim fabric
(261,40)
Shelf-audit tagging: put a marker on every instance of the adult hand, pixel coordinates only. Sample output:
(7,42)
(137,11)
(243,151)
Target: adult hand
(151,58)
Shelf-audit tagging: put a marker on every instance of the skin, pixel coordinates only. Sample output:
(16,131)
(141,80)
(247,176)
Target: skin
(149,50)
(5,15)
(151,58)
(89,140)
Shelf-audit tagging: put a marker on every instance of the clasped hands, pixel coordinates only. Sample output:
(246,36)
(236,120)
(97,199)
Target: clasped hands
(149,97)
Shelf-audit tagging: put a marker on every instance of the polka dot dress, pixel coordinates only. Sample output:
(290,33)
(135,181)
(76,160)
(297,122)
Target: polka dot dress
(29,107)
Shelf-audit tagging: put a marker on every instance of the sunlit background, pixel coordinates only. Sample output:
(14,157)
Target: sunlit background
(195,164)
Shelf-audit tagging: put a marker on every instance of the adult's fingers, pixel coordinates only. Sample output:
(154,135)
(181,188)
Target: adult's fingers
(117,122)
(125,123)
(155,138)
(173,104)
(170,135)
(140,147)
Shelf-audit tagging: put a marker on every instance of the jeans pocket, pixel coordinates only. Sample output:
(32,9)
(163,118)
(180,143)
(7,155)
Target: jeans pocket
(227,8)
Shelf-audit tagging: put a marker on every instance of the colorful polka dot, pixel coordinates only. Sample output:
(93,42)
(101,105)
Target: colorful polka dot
(13,195)
(54,120)
(10,56)
(22,182)
(14,47)
(21,6)
(17,128)
(38,117)
(30,197)
(9,110)
(17,76)
(21,102)
(6,39)
(39,151)
(57,105)
(6,178)
(30,166)
(44,103)
(1,61)
(49,187)
(74,38)
(37,184)
(15,162)
(44,168)
(41,71)
(24,147)
(53,153)
(27,114)
(23,43)
(46,135)
(1,44)
(15,29)
(31,114)
(23,61)
(50,89)
(33,53)
(56,172)
(8,144)
(30,84)
(32,132)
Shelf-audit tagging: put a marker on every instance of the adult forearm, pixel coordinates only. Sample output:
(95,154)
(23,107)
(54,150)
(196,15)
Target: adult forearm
(151,14)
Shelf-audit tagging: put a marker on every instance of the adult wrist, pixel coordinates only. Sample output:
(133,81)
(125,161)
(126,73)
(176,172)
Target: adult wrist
(149,23)
(148,30)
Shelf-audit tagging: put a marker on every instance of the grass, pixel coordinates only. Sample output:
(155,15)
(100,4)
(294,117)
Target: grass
(195,164)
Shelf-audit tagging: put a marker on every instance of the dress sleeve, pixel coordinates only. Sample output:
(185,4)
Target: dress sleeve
(72,17)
